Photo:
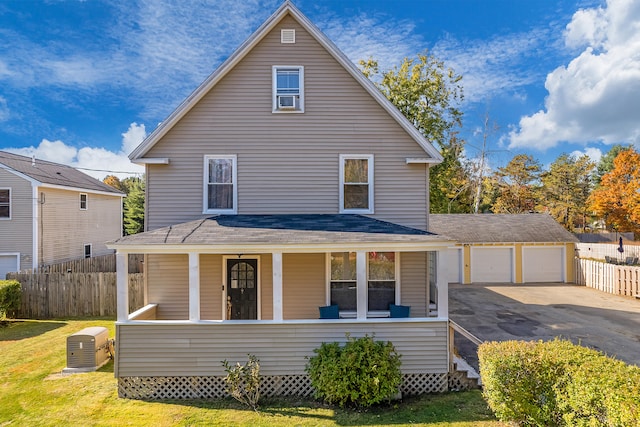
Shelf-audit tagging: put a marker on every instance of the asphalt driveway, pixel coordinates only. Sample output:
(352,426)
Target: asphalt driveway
(583,315)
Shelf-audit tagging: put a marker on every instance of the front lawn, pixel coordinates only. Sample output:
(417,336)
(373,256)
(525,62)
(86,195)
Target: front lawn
(34,393)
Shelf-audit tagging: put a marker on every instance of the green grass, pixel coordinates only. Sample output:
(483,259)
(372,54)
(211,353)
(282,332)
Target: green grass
(33,393)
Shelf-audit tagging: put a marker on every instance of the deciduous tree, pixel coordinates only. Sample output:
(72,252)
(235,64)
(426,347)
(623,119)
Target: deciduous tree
(617,200)
(517,185)
(565,189)
(427,93)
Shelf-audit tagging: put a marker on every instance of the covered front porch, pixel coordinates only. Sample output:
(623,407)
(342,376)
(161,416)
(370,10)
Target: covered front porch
(222,288)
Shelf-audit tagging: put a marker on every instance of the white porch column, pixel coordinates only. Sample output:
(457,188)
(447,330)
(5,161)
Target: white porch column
(442,283)
(361,287)
(277,285)
(122,286)
(194,286)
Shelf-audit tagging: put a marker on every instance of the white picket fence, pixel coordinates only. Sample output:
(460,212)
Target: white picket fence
(610,250)
(615,279)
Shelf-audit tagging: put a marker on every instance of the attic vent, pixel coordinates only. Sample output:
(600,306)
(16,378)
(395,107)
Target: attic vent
(287,36)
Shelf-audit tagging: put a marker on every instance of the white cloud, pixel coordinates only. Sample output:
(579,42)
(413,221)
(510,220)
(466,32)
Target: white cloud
(97,162)
(595,154)
(595,97)
(133,137)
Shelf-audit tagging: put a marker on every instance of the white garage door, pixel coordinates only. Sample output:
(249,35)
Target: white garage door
(454,265)
(8,263)
(542,264)
(492,265)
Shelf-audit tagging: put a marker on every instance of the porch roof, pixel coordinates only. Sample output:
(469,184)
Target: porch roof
(279,232)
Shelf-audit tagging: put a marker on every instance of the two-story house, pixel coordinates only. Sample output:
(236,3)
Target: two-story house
(284,184)
(52,213)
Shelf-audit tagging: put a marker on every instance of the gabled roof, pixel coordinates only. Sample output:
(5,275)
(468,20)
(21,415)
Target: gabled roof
(52,174)
(287,8)
(244,232)
(500,228)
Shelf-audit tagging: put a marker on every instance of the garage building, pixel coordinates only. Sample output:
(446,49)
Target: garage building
(506,248)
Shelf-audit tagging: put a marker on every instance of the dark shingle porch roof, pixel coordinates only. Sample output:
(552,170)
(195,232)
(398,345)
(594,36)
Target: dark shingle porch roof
(280,230)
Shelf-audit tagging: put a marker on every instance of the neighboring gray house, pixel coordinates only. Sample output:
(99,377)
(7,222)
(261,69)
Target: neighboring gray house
(51,213)
(284,183)
(506,248)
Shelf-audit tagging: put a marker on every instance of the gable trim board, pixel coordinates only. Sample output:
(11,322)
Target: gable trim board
(287,8)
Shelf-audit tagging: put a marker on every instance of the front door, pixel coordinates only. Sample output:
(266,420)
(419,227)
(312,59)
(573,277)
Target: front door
(242,289)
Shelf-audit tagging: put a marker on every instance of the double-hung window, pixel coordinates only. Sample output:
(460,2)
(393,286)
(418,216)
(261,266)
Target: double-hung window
(5,203)
(83,201)
(288,89)
(220,184)
(356,183)
(381,281)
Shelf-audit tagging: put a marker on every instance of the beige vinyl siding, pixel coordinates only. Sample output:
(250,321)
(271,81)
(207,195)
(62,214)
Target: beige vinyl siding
(287,163)
(414,282)
(304,285)
(266,287)
(17,232)
(282,348)
(65,228)
(211,292)
(168,285)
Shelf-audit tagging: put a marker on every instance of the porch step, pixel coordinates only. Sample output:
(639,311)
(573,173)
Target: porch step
(463,377)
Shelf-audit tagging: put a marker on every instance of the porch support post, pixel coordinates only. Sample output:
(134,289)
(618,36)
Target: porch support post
(277,285)
(122,286)
(442,283)
(361,287)
(194,286)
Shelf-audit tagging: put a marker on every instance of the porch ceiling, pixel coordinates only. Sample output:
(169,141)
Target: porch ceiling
(281,231)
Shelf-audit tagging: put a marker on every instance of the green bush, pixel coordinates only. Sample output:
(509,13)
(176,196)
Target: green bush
(10,297)
(363,372)
(558,383)
(243,381)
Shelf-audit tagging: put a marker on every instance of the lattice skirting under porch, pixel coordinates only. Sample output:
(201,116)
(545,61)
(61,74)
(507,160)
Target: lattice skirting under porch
(165,388)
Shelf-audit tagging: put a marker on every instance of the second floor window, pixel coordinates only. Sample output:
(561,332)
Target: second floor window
(356,183)
(288,89)
(220,184)
(83,202)
(5,203)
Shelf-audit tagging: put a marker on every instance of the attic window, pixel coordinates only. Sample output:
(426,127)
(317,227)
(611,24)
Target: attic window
(288,88)
(287,36)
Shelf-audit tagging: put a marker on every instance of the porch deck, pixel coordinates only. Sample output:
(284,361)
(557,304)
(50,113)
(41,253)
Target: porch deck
(183,359)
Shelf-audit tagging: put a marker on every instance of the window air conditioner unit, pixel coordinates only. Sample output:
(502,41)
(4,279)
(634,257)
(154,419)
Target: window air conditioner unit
(286,102)
(88,350)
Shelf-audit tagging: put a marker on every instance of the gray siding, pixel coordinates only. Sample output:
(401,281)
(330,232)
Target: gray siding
(211,287)
(17,233)
(65,228)
(168,285)
(287,163)
(197,350)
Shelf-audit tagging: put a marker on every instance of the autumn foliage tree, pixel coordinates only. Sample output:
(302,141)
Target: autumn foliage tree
(517,185)
(617,199)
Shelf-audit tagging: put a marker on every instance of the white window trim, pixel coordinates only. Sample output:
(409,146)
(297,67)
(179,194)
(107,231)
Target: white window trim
(274,88)
(369,158)
(205,184)
(351,313)
(10,205)
(84,250)
(86,201)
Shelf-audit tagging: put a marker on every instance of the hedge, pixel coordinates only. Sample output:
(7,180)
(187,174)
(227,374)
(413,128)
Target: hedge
(10,297)
(558,383)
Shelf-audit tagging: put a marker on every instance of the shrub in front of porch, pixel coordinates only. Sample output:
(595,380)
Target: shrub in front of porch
(363,372)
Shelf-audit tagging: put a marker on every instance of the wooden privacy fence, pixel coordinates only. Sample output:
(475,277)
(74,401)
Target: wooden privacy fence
(60,295)
(96,264)
(611,278)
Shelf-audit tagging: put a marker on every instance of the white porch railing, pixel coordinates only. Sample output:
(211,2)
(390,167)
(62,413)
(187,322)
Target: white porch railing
(611,278)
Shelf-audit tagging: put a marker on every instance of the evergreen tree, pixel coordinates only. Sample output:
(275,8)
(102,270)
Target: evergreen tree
(134,207)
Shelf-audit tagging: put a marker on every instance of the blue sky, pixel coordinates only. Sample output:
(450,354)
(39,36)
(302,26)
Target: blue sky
(82,82)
